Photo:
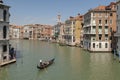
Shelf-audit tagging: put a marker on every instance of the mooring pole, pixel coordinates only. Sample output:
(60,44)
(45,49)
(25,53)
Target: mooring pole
(119,55)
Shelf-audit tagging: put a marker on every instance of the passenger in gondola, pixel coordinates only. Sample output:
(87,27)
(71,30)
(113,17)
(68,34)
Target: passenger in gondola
(41,62)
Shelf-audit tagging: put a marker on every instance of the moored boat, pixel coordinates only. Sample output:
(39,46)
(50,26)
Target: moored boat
(45,64)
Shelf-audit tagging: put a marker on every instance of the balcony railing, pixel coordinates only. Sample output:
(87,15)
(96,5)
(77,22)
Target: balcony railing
(90,32)
(106,24)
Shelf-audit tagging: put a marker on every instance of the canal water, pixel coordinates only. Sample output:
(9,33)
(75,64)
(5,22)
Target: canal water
(71,63)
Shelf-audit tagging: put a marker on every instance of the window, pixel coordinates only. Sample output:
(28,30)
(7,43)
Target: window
(106,37)
(106,27)
(4,15)
(111,45)
(106,14)
(4,32)
(93,45)
(100,27)
(99,14)
(93,39)
(100,37)
(99,45)
(111,21)
(106,45)
(106,21)
(99,21)
(117,16)
(4,57)
(110,29)
(73,39)
(94,27)
(30,32)
(110,38)
(93,14)
(117,7)
(111,14)
(4,48)
(93,21)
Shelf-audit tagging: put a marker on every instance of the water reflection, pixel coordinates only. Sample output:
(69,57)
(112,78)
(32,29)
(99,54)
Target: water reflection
(4,73)
(100,66)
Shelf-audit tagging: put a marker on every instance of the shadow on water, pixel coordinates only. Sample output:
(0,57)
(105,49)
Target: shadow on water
(19,54)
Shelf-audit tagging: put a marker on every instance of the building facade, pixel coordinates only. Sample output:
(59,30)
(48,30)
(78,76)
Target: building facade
(37,31)
(4,32)
(118,25)
(61,35)
(78,30)
(73,31)
(26,32)
(98,25)
(14,31)
(69,32)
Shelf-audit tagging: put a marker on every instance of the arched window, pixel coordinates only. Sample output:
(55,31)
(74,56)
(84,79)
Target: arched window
(4,15)
(4,48)
(4,32)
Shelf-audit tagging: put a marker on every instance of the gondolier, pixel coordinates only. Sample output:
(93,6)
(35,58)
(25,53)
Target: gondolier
(40,62)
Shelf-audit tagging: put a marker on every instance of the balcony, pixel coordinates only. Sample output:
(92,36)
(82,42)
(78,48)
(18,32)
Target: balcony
(87,32)
(106,16)
(87,25)
(90,32)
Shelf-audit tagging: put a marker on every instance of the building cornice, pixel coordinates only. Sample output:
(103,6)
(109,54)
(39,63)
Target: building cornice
(3,22)
(4,6)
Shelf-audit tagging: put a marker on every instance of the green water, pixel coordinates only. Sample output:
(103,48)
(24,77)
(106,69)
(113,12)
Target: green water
(71,63)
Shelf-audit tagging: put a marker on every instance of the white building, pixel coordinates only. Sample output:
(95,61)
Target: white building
(14,32)
(69,35)
(26,32)
(98,25)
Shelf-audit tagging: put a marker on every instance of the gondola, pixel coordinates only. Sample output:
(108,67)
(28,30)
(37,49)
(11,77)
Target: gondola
(45,64)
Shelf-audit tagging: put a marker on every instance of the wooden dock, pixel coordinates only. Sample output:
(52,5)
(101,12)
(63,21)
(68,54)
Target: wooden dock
(8,62)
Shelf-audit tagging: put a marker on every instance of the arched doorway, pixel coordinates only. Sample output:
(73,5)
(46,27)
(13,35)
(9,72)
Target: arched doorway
(4,32)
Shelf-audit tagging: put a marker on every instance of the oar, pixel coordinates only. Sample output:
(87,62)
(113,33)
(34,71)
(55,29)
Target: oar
(46,70)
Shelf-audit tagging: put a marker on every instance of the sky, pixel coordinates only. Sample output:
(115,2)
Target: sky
(45,11)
